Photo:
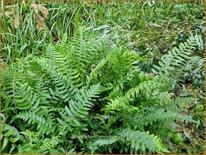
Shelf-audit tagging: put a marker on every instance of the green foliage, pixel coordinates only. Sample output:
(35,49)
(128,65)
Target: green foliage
(143,141)
(43,125)
(56,94)
(90,78)
(10,137)
(176,58)
(33,143)
(78,108)
(136,140)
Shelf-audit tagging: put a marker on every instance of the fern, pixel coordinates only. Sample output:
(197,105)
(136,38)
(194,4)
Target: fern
(176,58)
(141,141)
(179,101)
(147,91)
(61,82)
(33,143)
(56,95)
(138,141)
(155,115)
(106,141)
(48,144)
(43,125)
(78,108)
(26,97)
(108,69)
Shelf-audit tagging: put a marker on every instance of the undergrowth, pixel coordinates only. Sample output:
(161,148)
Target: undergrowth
(103,77)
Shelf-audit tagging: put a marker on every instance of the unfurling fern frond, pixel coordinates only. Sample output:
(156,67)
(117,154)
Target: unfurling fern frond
(176,58)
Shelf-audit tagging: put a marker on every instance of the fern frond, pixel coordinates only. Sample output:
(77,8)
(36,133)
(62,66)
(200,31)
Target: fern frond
(66,63)
(77,110)
(151,91)
(34,143)
(26,97)
(44,125)
(93,76)
(42,91)
(142,141)
(159,115)
(64,86)
(132,79)
(48,144)
(147,89)
(86,48)
(114,67)
(176,58)
(135,77)
(179,101)
(106,141)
